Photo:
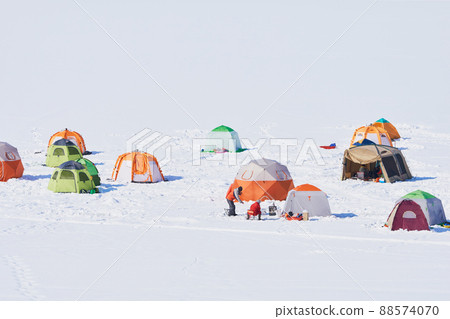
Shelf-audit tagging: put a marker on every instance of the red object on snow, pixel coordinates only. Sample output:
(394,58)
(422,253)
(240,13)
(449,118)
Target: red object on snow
(329,147)
(255,209)
(220,150)
(300,217)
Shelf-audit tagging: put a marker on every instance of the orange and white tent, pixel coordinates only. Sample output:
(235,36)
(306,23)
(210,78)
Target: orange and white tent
(137,167)
(10,163)
(391,129)
(72,136)
(378,135)
(263,179)
(307,197)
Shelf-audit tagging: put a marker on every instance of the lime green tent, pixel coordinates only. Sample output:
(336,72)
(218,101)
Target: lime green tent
(91,169)
(71,177)
(223,139)
(62,151)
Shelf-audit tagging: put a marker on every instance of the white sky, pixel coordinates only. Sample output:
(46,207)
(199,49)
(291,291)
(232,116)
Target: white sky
(225,62)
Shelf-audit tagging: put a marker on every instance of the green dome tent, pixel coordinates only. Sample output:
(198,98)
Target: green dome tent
(223,139)
(91,169)
(71,177)
(62,151)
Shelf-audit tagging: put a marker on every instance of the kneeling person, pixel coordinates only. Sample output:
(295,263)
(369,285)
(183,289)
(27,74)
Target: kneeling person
(255,210)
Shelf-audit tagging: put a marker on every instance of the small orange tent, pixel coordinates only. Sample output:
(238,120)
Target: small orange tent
(72,136)
(10,163)
(263,179)
(137,167)
(383,123)
(372,133)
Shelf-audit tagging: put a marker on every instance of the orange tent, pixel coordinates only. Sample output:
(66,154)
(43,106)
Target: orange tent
(10,163)
(385,124)
(307,197)
(372,133)
(307,188)
(137,167)
(263,179)
(72,136)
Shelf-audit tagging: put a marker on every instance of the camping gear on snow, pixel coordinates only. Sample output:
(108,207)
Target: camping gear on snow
(292,216)
(307,197)
(385,124)
(91,169)
(62,151)
(223,139)
(137,167)
(305,215)
(273,210)
(376,134)
(363,142)
(381,161)
(263,179)
(10,162)
(329,147)
(72,136)
(71,177)
(416,211)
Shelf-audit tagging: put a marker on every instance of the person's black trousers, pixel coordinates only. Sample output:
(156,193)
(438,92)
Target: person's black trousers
(232,211)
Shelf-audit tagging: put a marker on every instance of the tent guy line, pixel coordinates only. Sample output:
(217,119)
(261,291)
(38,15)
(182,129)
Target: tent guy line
(143,69)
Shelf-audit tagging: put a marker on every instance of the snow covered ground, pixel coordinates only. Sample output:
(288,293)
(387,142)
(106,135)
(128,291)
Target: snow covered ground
(88,66)
(58,246)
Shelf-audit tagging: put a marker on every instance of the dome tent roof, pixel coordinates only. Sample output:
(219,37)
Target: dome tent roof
(71,165)
(64,142)
(223,128)
(419,194)
(382,120)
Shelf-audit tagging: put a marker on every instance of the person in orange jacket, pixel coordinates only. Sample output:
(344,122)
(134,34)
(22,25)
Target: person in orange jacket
(255,210)
(233,195)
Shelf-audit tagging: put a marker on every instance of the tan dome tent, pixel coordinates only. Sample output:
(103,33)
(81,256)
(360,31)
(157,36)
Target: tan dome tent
(388,159)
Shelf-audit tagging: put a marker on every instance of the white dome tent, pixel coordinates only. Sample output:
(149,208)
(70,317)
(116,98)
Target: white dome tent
(223,139)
